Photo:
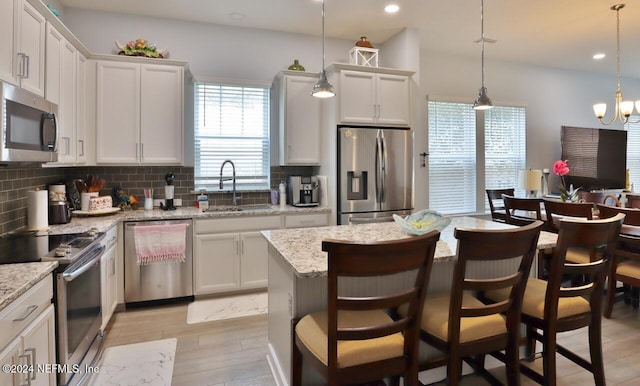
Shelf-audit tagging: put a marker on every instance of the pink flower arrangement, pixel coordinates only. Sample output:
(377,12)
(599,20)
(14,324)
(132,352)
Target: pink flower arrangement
(561,168)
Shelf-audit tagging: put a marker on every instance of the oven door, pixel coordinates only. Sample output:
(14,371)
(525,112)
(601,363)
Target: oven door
(79,316)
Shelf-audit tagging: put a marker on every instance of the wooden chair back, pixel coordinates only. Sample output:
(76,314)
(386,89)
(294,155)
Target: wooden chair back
(627,252)
(514,208)
(384,258)
(554,210)
(495,203)
(485,246)
(581,305)
(633,200)
(599,198)
(632,215)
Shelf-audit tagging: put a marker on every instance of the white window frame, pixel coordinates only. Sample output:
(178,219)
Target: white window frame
(468,196)
(244,128)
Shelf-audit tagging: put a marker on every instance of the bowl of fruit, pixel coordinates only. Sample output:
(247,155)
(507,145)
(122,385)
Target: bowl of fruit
(422,222)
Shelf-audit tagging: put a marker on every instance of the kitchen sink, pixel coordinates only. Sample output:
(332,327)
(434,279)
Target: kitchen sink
(238,208)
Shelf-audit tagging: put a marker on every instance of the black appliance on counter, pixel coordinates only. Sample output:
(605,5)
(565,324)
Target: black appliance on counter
(77,291)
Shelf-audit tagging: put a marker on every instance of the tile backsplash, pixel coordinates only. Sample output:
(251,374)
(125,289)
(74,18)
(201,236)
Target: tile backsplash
(16,181)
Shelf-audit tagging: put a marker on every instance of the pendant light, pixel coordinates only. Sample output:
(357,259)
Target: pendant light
(622,109)
(483,102)
(323,88)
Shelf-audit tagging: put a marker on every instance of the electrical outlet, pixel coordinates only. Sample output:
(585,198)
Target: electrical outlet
(157,201)
(177,202)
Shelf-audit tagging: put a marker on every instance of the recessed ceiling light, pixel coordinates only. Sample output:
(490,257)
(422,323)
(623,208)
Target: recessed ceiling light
(237,15)
(599,56)
(391,8)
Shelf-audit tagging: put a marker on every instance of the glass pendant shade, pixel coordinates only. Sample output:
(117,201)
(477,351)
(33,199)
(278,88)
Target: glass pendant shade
(600,109)
(322,88)
(483,102)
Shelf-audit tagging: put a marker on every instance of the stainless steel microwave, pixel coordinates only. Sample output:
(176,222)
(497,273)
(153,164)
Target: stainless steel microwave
(29,126)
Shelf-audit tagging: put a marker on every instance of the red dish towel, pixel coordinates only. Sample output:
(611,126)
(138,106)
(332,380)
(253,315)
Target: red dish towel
(160,243)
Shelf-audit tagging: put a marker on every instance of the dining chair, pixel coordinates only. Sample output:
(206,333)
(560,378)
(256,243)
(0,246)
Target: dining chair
(633,200)
(555,210)
(355,340)
(522,211)
(551,308)
(459,324)
(625,266)
(496,205)
(598,198)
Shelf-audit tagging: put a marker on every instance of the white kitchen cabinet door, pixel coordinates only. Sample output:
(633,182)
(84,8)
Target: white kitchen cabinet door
(108,277)
(53,61)
(10,356)
(118,112)
(38,341)
(82,124)
(31,45)
(392,94)
(372,98)
(216,263)
(161,120)
(253,260)
(67,105)
(7,53)
(357,95)
(301,122)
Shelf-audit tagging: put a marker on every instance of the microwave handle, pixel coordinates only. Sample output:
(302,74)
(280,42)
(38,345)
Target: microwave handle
(54,119)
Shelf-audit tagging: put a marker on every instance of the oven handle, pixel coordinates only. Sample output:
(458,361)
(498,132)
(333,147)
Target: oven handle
(89,262)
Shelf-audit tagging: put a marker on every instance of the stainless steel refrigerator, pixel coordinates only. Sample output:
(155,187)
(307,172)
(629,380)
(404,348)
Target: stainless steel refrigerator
(375,173)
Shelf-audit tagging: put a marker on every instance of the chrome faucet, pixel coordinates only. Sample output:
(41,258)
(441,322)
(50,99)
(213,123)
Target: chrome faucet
(233,167)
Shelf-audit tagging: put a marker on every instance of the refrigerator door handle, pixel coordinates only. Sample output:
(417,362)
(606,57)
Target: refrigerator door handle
(379,168)
(383,178)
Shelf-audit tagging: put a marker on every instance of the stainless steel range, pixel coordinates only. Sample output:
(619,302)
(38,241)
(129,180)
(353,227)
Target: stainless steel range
(78,308)
(77,293)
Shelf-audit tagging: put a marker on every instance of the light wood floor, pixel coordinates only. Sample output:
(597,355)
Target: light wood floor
(233,352)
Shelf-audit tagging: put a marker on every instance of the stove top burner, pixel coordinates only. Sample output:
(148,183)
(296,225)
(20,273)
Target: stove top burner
(31,246)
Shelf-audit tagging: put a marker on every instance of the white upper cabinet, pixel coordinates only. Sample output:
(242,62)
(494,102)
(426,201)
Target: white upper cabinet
(29,47)
(7,58)
(140,109)
(370,97)
(295,120)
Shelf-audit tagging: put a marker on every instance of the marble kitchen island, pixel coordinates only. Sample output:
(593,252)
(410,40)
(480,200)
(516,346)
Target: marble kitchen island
(298,269)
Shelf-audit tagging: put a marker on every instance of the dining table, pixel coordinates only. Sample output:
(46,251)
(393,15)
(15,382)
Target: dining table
(297,276)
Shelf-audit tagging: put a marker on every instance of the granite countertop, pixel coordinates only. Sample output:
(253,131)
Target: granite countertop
(302,248)
(16,279)
(80,224)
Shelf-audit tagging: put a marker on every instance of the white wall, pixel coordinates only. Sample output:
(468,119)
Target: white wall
(553,97)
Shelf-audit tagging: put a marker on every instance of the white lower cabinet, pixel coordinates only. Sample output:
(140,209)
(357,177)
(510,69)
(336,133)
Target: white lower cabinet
(230,254)
(108,277)
(28,337)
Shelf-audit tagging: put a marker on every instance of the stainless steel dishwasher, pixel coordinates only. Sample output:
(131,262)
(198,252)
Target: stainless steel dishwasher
(161,280)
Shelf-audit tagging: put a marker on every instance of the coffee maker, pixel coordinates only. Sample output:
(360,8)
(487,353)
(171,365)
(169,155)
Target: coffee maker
(59,209)
(302,191)
(168,192)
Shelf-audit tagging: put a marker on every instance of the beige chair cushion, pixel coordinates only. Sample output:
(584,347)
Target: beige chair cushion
(534,298)
(629,268)
(312,331)
(435,319)
(578,255)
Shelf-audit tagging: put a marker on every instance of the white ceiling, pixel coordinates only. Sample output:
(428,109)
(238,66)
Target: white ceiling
(559,33)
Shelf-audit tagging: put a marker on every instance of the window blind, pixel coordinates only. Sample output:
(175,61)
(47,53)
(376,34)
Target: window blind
(452,157)
(453,166)
(231,122)
(633,153)
(505,147)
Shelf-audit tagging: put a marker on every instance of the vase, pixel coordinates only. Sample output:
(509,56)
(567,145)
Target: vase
(296,66)
(363,42)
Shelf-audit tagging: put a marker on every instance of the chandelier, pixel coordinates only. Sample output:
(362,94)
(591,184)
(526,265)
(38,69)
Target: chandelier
(623,109)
